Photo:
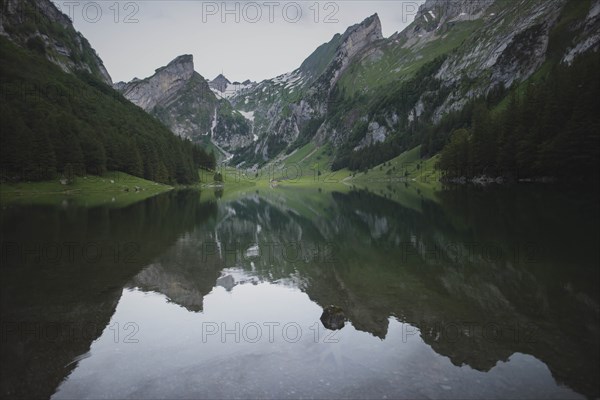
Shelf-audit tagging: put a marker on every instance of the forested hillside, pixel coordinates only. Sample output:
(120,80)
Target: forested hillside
(53,122)
(456,66)
(551,127)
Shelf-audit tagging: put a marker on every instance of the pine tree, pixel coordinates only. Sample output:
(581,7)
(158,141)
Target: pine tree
(69,153)
(162,175)
(134,163)
(94,154)
(508,132)
(44,158)
(454,157)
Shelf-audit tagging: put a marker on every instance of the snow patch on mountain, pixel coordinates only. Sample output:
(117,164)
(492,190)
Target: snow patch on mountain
(249,115)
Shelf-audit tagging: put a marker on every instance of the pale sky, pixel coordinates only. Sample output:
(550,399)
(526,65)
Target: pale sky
(269,38)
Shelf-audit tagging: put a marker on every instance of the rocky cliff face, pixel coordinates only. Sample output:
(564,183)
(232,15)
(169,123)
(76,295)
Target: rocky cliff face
(40,26)
(182,99)
(283,106)
(356,39)
(505,55)
(460,50)
(507,46)
(162,87)
(588,34)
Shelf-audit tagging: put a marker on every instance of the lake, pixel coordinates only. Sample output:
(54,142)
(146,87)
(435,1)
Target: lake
(475,293)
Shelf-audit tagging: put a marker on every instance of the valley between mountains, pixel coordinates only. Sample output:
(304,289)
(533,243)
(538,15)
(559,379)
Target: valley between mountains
(469,91)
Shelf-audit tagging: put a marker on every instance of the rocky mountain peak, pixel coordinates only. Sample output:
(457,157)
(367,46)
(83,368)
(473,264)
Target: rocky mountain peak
(41,26)
(356,39)
(184,60)
(160,87)
(182,100)
(221,77)
(449,9)
(220,83)
(435,16)
(367,31)
(182,67)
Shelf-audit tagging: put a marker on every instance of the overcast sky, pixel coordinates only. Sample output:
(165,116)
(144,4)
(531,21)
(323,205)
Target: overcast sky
(244,40)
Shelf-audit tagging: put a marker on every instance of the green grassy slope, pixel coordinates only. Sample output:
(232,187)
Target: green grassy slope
(398,63)
(114,188)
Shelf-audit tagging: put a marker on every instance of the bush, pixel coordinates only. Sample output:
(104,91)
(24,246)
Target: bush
(36,44)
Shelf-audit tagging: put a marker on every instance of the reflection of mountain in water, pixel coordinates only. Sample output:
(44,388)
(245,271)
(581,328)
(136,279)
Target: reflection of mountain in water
(63,271)
(370,256)
(482,279)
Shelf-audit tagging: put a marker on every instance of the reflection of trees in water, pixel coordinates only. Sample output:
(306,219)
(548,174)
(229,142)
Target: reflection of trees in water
(550,299)
(53,307)
(219,192)
(421,268)
(547,301)
(383,261)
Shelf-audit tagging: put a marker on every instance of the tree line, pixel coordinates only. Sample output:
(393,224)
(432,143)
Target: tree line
(54,123)
(548,127)
(398,100)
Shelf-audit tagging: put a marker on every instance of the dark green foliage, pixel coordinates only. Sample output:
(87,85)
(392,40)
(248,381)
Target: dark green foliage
(308,131)
(68,149)
(204,160)
(94,155)
(275,145)
(36,44)
(373,155)
(230,121)
(400,100)
(436,136)
(553,130)
(455,153)
(53,122)
(43,155)
(563,33)
(247,155)
(26,22)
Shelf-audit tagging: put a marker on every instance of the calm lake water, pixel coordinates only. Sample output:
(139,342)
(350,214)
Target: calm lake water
(483,293)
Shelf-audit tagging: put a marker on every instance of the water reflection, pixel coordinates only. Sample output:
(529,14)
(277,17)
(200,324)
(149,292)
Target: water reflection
(288,356)
(62,274)
(482,294)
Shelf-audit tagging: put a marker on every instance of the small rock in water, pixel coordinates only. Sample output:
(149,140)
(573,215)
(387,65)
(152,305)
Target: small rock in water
(333,318)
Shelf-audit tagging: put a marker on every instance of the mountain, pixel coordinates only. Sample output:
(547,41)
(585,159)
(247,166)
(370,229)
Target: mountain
(225,89)
(220,83)
(60,116)
(286,107)
(363,99)
(437,286)
(177,95)
(41,27)
(368,98)
(82,316)
(185,102)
